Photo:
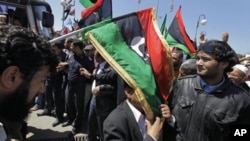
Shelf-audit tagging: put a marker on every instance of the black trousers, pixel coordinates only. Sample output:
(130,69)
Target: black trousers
(74,102)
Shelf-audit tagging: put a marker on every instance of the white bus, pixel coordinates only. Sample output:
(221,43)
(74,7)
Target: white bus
(34,14)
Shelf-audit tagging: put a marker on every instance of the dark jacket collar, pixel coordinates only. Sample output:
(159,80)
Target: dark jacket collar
(198,87)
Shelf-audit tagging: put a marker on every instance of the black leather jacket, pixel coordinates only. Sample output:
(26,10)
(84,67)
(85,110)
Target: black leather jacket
(207,117)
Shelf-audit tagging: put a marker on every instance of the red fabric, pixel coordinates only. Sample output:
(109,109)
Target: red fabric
(160,56)
(86,12)
(189,44)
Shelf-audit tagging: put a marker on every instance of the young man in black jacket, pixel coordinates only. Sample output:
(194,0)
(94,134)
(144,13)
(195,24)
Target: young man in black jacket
(205,106)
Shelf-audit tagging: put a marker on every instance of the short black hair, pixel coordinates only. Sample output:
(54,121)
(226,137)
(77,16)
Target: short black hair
(222,52)
(78,43)
(59,45)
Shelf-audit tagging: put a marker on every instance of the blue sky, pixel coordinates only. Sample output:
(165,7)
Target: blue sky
(221,15)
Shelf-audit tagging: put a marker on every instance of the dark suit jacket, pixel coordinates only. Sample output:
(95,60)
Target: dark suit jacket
(106,99)
(246,87)
(121,125)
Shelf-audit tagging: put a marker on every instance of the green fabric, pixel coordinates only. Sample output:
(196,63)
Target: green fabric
(111,40)
(173,43)
(90,27)
(163,26)
(86,3)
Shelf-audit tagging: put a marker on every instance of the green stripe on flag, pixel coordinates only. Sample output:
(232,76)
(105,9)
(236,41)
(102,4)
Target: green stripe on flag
(86,3)
(173,43)
(163,26)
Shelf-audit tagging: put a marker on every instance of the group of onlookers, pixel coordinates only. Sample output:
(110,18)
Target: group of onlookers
(93,88)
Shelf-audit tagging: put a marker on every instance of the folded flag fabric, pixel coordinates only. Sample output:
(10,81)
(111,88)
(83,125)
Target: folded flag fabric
(100,10)
(133,45)
(87,3)
(177,35)
(163,26)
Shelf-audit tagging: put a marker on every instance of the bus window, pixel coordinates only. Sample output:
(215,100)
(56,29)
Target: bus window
(12,13)
(38,10)
(28,13)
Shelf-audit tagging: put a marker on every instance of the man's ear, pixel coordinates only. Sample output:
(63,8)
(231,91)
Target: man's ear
(10,77)
(128,92)
(224,64)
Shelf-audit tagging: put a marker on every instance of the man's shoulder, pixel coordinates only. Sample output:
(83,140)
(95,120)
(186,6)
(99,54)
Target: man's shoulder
(194,76)
(118,111)
(238,91)
(187,78)
(248,83)
(117,116)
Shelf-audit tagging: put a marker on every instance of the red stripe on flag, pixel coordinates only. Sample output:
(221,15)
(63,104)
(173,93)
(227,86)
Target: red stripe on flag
(86,12)
(183,32)
(160,58)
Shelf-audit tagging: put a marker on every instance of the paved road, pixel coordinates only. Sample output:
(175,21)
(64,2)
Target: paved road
(40,129)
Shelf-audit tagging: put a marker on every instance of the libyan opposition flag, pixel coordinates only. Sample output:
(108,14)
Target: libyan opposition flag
(100,10)
(177,35)
(133,45)
(163,25)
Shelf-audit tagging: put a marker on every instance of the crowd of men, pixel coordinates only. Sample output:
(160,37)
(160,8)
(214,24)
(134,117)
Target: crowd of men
(209,95)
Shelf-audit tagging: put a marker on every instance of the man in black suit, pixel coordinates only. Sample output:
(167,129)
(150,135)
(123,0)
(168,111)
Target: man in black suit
(74,98)
(54,96)
(123,122)
(104,90)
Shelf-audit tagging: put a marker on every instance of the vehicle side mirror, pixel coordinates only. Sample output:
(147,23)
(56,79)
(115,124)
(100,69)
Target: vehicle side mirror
(47,19)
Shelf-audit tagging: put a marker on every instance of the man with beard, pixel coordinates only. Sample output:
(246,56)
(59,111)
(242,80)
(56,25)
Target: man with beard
(25,61)
(205,106)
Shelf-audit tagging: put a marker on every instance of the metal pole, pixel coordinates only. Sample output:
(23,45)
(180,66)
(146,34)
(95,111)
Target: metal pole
(63,16)
(157,5)
(66,35)
(198,23)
